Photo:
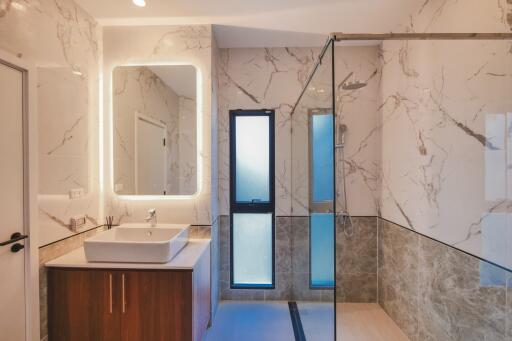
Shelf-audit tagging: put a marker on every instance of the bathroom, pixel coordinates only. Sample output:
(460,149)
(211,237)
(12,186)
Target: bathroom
(194,170)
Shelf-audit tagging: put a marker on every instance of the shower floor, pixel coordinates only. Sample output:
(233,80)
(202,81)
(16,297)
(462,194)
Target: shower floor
(269,321)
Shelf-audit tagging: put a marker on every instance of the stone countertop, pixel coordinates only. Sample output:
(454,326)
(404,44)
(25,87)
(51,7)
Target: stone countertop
(186,259)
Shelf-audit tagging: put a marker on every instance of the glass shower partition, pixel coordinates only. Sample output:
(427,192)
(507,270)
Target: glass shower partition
(313,205)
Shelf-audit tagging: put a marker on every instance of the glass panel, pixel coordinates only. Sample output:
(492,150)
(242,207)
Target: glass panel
(322,249)
(312,195)
(252,249)
(322,157)
(252,158)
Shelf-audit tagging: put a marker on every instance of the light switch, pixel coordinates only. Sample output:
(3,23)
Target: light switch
(76,193)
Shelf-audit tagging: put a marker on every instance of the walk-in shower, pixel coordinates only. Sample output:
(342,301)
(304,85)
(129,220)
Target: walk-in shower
(383,141)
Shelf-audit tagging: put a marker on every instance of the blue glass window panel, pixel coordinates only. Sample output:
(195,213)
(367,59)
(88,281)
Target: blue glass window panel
(322,249)
(323,158)
(252,158)
(252,249)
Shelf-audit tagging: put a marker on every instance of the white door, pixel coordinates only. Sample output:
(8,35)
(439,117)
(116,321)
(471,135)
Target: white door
(12,264)
(151,157)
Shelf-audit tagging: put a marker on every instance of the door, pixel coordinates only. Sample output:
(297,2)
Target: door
(12,264)
(83,305)
(151,157)
(156,305)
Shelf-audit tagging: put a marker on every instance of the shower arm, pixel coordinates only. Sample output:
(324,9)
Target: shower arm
(346,78)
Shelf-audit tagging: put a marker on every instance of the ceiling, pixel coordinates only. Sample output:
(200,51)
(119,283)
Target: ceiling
(180,78)
(261,23)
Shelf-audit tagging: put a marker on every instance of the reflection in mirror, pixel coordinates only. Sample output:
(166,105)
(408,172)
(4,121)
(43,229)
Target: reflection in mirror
(155,143)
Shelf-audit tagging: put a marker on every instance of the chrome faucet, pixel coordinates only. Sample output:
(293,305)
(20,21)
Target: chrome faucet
(151,218)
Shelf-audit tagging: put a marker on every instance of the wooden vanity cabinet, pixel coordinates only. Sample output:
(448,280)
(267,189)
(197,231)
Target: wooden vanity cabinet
(128,305)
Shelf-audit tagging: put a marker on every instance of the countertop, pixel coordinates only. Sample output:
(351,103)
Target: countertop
(186,259)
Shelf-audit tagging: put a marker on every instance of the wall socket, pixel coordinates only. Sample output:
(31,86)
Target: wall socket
(76,222)
(76,193)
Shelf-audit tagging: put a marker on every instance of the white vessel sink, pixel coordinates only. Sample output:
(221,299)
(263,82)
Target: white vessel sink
(137,243)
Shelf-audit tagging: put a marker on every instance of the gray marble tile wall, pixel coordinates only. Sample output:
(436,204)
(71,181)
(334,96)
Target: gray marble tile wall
(356,252)
(435,292)
(356,260)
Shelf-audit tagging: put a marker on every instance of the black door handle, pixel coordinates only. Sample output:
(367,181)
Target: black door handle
(17,247)
(15,237)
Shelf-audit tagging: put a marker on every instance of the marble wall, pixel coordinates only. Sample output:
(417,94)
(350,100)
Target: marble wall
(435,292)
(270,78)
(446,113)
(61,41)
(291,264)
(138,90)
(356,260)
(141,45)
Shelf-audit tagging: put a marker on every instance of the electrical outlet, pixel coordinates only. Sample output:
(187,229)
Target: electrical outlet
(77,221)
(76,193)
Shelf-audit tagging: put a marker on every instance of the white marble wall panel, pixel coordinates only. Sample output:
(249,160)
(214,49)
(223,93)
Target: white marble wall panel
(61,41)
(160,45)
(264,78)
(446,151)
(187,144)
(359,111)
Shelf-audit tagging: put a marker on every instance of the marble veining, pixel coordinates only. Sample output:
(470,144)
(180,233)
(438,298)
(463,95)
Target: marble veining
(266,78)
(166,45)
(356,260)
(61,42)
(139,91)
(435,292)
(445,142)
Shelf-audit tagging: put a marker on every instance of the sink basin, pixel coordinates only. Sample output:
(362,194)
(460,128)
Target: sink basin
(137,243)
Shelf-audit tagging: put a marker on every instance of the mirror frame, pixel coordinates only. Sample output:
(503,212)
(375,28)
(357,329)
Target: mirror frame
(199,135)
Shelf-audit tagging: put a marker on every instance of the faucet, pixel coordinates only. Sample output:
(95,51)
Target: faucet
(151,218)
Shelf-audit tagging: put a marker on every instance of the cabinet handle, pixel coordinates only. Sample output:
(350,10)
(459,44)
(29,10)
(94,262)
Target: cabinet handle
(110,292)
(123,293)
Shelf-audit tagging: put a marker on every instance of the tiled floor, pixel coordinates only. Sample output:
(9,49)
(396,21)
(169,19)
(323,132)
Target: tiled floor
(251,321)
(264,321)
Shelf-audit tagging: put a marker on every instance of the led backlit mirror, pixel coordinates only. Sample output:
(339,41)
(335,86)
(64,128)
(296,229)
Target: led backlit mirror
(155,130)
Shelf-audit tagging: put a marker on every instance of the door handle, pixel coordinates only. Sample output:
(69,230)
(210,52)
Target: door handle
(15,237)
(110,293)
(17,247)
(123,289)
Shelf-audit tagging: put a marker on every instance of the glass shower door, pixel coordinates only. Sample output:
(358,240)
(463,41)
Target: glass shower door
(313,205)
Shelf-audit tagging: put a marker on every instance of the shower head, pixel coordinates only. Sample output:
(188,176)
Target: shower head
(354,85)
(342,129)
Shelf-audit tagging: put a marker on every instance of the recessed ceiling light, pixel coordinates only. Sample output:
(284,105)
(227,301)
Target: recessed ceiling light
(140,3)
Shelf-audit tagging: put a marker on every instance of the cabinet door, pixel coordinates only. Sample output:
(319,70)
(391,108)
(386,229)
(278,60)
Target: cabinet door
(82,305)
(157,305)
